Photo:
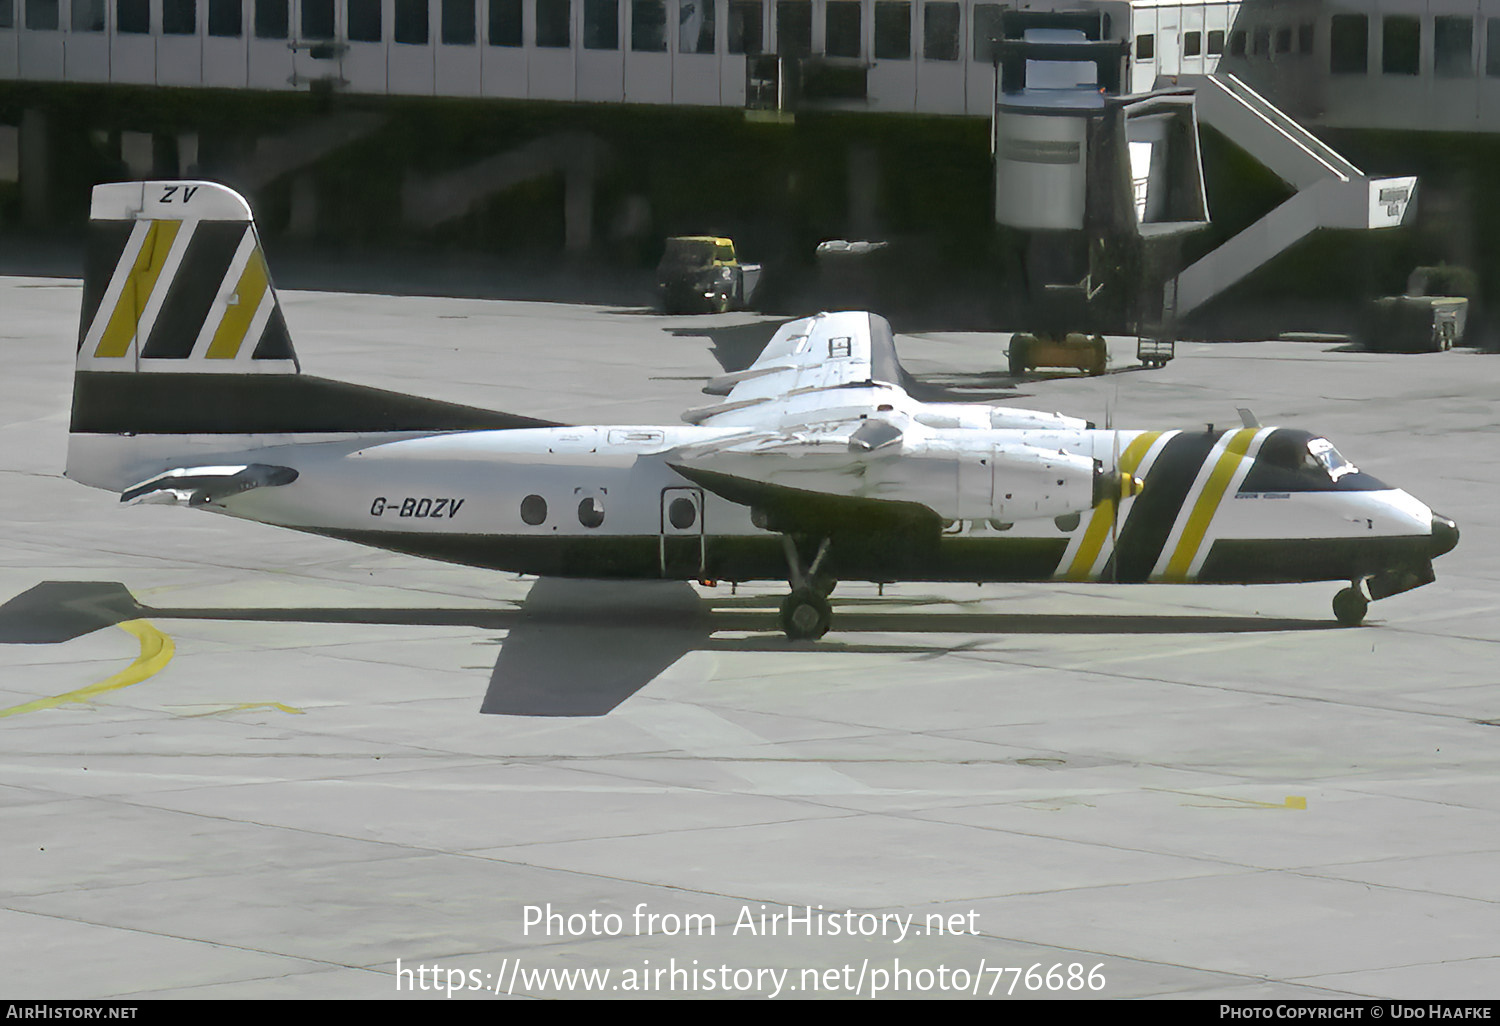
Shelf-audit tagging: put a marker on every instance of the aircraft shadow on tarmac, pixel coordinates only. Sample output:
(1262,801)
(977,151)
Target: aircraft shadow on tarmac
(580,648)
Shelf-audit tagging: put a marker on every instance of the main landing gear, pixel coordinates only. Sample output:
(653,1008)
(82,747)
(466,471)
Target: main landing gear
(1350,606)
(806,613)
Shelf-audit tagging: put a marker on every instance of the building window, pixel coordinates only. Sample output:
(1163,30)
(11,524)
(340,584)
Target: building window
(841,28)
(1492,47)
(892,30)
(226,18)
(364,21)
(793,28)
(411,24)
(179,17)
(940,31)
(317,19)
(505,22)
(1216,43)
(1452,46)
(1145,47)
(695,26)
(746,27)
(271,18)
(88,16)
(1400,45)
(648,25)
(552,29)
(1192,44)
(41,15)
(1349,44)
(1260,42)
(1237,43)
(458,22)
(601,24)
(988,31)
(1305,38)
(1284,39)
(7,15)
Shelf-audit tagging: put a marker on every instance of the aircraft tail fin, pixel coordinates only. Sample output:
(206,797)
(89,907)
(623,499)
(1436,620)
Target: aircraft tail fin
(182,333)
(175,281)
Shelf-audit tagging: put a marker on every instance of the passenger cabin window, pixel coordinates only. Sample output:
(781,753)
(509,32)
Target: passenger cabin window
(180,17)
(940,31)
(88,16)
(1145,48)
(552,18)
(1349,44)
(988,31)
(458,22)
(7,15)
(1401,45)
(1237,43)
(1305,38)
(41,15)
(695,26)
(226,18)
(1284,39)
(746,27)
(1216,43)
(1192,44)
(1492,47)
(648,26)
(1452,46)
(793,28)
(317,19)
(1260,42)
(892,30)
(271,18)
(601,24)
(505,23)
(411,25)
(364,21)
(841,28)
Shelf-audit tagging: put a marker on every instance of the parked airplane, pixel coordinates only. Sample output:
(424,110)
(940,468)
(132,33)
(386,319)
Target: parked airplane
(816,466)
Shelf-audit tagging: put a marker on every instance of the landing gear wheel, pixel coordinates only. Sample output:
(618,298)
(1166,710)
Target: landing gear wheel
(805,615)
(1349,607)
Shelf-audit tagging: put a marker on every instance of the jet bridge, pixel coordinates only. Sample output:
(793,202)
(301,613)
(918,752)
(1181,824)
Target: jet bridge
(1101,188)
(1330,191)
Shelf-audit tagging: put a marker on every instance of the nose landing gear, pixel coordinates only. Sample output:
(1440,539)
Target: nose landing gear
(1350,606)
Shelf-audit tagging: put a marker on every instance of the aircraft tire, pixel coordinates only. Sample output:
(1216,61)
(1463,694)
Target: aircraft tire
(805,615)
(1349,607)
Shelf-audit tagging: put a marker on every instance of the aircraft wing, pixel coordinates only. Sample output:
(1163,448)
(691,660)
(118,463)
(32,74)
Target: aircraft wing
(805,357)
(198,486)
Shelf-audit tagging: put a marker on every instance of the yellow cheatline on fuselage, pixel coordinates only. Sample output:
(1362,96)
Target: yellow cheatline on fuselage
(1104,514)
(1230,457)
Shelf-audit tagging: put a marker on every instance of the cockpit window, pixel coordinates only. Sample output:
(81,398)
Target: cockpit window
(1328,459)
(1298,461)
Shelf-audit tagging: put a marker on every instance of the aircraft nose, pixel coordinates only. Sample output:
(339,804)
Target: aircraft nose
(1444,535)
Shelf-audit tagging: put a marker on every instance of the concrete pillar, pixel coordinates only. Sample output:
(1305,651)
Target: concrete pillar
(35,169)
(578,210)
(864,192)
(138,153)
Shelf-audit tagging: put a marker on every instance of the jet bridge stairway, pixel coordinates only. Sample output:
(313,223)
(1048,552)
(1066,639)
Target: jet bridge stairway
(1330,191)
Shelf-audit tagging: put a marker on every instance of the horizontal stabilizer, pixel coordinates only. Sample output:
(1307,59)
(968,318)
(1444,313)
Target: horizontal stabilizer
(198,486)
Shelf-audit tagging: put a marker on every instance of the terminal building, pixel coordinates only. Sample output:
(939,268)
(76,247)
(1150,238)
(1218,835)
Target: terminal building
(602,125)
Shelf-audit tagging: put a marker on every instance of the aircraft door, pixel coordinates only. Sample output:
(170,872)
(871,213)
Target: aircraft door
(682,541)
